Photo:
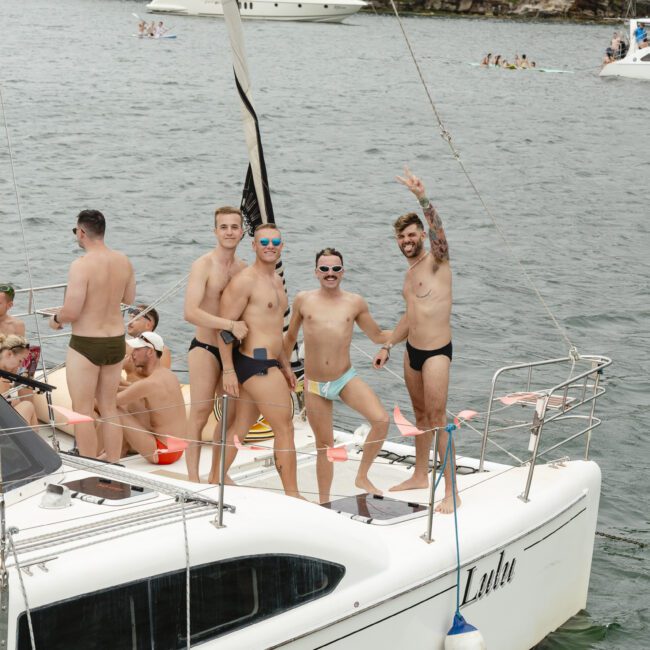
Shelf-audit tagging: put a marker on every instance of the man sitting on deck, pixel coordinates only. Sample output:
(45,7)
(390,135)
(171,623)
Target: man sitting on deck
(142,319)
(9,324)
(156,403)
(327,316)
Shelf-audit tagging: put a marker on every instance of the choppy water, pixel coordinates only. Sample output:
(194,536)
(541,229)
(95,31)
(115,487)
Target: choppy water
(149,132)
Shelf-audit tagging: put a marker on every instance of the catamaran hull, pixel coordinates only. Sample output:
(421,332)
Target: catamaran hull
(305,10)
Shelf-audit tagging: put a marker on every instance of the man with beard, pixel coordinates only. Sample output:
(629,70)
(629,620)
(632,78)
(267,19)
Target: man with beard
(208,278)
(98,283)
(426,324)
(256,295)
(327,316)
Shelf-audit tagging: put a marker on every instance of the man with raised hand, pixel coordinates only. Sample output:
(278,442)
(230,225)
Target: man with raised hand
(98,282)
(427,327)
(209,276)
(327,316)
(260,365)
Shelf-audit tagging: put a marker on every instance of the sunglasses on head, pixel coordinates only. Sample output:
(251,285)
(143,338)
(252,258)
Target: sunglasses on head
(18,346)
(135,311)
(265,241)
(8,289)
(337,268)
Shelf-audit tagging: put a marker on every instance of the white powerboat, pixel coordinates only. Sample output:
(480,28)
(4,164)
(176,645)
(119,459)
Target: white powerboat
(301,10)
(95,555)
(636,63)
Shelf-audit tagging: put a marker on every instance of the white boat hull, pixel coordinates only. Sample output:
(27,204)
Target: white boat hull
(631,70)
(299,10)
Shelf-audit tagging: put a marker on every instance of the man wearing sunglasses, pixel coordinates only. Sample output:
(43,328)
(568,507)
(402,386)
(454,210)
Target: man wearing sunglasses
(9,324)
(426,323)
(327,316)
(98,283)
(142,318)
(259,365)
(209,276)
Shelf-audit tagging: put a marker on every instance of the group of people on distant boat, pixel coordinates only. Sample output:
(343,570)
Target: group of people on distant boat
(498,61)
(129,390)
(616,50)
(153,30)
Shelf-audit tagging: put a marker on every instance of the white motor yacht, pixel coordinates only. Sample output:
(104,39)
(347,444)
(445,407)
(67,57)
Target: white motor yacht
(301,10)
(636,62)
(97,556)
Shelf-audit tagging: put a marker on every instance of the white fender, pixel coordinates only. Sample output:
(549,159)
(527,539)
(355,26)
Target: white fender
(463,636)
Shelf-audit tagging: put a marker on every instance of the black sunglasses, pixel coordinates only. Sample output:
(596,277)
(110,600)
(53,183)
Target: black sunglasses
(8,289)
(337,268)
(134,311)
(74,230)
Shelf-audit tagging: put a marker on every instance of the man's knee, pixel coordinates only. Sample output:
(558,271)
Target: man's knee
(436,415)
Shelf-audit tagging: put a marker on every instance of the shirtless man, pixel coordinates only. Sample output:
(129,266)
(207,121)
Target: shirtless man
(137,325)
(147,430)
(427,293)
(98,283)
(327,316)
(208,278)
(9,324)
(260,365)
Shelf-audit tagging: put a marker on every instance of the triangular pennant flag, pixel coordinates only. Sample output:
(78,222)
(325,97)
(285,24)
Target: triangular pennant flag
(464,416)
(404,426)
(513,398)
(72,416)
(337,454)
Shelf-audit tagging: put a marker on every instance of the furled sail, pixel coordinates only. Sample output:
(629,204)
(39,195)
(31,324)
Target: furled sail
(256,203)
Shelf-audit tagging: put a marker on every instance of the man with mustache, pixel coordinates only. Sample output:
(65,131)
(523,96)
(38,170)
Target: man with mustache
(426,325)
(327,316)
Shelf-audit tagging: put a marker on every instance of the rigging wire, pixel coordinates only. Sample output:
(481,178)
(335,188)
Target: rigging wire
(446,136)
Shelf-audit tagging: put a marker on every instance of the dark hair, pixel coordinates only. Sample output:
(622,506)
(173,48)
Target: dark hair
(92,222)
(406,220)
(328,251)
(158,354)
(8,290)
(226,209)
(262,226)
(150,312)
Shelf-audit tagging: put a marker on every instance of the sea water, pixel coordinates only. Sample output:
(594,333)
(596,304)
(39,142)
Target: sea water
(150,133)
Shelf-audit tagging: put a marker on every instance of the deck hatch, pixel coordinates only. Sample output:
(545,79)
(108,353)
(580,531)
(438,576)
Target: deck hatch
(97,489)
(374,509)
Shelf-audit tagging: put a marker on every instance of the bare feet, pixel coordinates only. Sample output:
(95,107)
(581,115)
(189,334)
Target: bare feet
(215,480)
(446,506)
(414,483)
(296,495)
(366,485)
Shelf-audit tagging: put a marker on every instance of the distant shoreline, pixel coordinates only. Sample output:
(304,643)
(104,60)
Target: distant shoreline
(556,11)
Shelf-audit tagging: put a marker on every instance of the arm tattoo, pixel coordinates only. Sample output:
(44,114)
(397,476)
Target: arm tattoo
(437,237)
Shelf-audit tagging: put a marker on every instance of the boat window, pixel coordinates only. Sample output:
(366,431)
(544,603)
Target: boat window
(225,596)
(25,455)
(116,618)
(646,58)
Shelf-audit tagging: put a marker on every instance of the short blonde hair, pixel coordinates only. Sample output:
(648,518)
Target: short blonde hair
(12,341)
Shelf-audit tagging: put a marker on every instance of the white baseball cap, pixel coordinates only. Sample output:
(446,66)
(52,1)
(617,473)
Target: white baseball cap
(147,340)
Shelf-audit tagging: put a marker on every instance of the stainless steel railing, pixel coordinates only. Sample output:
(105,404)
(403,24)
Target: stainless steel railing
(573,399)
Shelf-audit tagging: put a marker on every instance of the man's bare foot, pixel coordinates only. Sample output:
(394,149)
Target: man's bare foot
(446,506)
(366,485)
(414,483)
(194,478)
(214,479)
(296,495)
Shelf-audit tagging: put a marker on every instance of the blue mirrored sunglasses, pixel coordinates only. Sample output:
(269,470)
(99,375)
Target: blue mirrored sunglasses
(276,241)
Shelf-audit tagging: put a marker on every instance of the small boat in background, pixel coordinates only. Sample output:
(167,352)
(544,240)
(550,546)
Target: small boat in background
(636,62)
(301,10)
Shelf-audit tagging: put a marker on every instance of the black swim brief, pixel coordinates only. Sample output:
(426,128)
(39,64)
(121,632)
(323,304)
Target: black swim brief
(418,357)
(206,346)
(247,367)
(100,350)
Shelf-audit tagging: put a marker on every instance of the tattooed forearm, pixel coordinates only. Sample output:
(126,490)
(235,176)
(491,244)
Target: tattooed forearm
(437,237)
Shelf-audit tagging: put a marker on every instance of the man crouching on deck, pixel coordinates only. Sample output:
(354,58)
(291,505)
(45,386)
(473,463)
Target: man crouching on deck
(256,296)
(427,293)
(97,283)
(327,316)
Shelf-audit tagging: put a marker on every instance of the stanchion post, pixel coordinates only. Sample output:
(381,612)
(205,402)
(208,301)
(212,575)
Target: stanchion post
(222,465)
(432,498)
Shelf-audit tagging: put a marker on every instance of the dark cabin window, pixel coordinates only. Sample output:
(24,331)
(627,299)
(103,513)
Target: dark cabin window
(225,596)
